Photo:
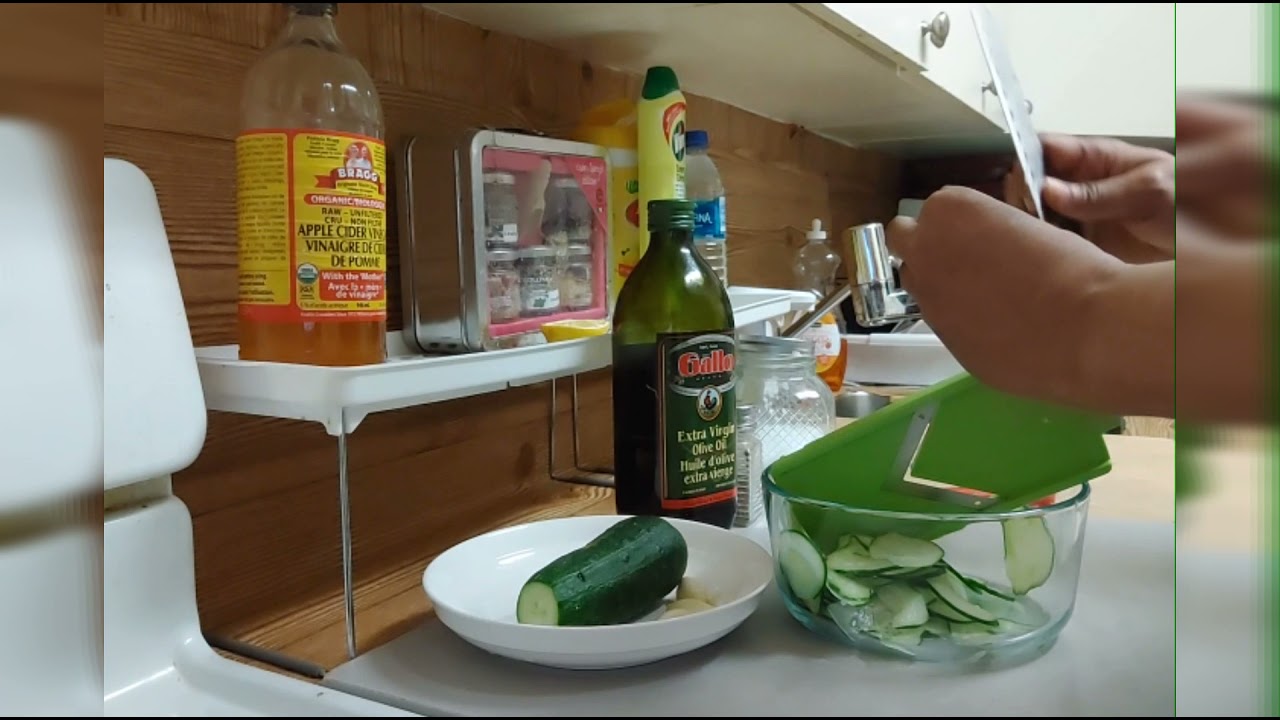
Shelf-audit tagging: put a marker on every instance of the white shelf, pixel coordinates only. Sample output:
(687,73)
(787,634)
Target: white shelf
(858,73)
(340,398)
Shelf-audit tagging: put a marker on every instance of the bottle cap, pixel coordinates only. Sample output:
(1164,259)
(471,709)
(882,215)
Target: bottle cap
(815,231)
(696,140)
(670,214)
(658,81)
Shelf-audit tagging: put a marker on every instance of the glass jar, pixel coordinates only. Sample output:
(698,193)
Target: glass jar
(568,216)
(750,494)
(539,281)
(501,210)
(793,406)
(578,285)
(504,286)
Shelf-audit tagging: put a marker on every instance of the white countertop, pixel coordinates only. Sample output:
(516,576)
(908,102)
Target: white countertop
(1116,657)
(1120,639)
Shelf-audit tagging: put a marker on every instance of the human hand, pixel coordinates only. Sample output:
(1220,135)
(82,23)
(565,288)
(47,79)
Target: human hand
(1224,166)
(1012,298)
(1122,194)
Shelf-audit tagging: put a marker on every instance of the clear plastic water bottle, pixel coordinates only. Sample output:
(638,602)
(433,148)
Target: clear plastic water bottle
(816,263)
(704,188)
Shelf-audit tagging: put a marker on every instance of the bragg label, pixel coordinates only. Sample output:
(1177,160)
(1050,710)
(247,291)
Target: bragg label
(697,416)
(312,226)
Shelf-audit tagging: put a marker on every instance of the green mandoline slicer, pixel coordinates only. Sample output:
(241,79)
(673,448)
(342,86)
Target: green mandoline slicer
(956,447)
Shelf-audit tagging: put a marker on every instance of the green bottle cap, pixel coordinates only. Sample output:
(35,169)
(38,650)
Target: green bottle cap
(659,81)
(670,215)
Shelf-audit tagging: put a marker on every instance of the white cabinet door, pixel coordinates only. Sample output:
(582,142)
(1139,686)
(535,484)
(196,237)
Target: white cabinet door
(931,44)
(1094,68)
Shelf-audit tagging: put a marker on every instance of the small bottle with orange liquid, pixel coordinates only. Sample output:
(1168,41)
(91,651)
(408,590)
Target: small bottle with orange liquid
(311,200)
(815,270)
(830,351)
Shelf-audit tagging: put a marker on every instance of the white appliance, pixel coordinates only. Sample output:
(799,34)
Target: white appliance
(155,659)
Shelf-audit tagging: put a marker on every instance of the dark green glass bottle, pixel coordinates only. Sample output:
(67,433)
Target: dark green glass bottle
(674,409)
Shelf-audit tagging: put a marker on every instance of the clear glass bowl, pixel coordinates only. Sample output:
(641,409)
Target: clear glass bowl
(989,588)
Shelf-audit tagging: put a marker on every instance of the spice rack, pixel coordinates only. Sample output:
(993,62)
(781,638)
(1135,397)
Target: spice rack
(340,398)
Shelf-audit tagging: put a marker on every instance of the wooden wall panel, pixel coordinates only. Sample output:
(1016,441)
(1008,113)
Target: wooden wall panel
(263,493)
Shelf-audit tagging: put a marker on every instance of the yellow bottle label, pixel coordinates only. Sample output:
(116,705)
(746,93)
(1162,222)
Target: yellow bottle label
(312,210)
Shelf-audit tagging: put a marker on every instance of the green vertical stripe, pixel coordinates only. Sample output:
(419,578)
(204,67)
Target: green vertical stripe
(1270,57)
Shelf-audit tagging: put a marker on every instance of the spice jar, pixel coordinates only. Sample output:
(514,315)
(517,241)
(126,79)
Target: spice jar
(539,284)
(578,285)
(501,209)
(568,215)
(504,286)
(794,407)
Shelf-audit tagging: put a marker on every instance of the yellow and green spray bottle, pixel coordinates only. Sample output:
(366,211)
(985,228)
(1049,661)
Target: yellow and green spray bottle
(660,121)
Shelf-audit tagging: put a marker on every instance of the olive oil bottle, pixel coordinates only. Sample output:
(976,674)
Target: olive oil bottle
(674,409)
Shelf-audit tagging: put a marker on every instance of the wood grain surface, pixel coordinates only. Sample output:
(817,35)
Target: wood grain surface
(263,493)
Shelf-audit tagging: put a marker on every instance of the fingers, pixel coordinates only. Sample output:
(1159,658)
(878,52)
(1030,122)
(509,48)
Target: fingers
(1142,192)
(1079,159)
(900,238)
(1198,118)
(1234,161)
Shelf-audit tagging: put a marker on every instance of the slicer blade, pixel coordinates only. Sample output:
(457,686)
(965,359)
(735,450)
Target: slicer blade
(1005,85)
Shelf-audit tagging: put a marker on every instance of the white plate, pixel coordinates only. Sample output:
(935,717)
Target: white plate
(474,586)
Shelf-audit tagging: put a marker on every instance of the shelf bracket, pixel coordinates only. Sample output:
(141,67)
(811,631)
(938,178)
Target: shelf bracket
(594,476)
(344,508)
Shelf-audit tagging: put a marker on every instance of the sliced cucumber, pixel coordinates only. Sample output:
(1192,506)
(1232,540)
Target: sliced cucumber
(1028,553)
(936,626)
(945,612)
(903,551)
(905,637)
(907,608)
(846,589)
(971,632)
(954,594)
(1025,614)
(853,559)
(802,564)
(914,574)
(979,587)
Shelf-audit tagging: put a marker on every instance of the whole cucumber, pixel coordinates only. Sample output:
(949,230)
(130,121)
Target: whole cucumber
(616,578)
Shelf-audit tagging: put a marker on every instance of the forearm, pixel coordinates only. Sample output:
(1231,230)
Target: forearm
(1226,334)
(1124,344)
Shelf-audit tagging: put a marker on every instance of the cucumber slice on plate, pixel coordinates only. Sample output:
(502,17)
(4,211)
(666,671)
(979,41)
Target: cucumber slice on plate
(802,564)
(907,608)
(1028,553)
(846,589)
(954,594)
(903,551)
(852,558)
